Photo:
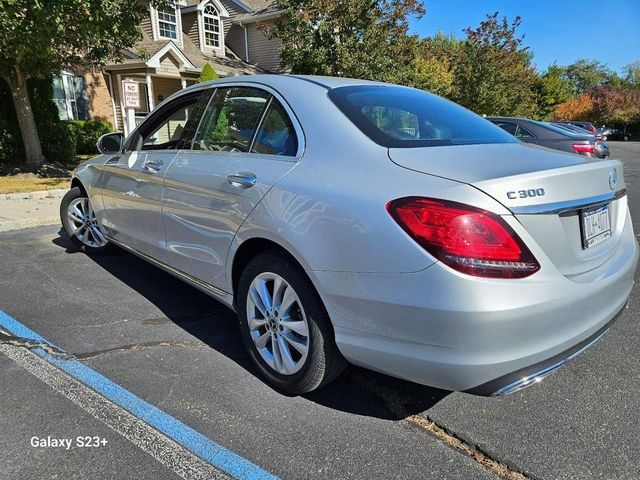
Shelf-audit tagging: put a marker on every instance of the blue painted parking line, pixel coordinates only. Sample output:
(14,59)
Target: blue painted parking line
(208,450)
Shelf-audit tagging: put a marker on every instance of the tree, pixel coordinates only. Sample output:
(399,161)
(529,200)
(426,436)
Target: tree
(493,71)
(433,66)
(632,74)
(586,74)
(553,89)
(40,38)
(616,105)
(352,38)
(208,73)
(579,108)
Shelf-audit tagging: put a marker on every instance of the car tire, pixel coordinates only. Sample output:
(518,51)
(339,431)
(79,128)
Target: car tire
(297,321)
(80,224)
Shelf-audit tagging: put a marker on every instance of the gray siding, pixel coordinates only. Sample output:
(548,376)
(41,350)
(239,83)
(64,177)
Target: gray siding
(146,27)
(234,39)
(190,27)
(263,51)
(234,10)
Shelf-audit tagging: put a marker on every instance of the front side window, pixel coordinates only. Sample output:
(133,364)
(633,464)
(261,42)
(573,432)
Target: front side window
(211,27)
(403,117)
(230,122)
(170,127)
(167,23)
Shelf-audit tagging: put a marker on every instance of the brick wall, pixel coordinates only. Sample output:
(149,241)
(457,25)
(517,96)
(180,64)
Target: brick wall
(100,107)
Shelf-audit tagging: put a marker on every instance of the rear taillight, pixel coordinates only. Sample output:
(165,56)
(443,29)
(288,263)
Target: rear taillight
(584,148)
(466,238)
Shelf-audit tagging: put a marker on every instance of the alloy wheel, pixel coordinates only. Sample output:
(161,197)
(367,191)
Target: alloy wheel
(83,222)
(277,323)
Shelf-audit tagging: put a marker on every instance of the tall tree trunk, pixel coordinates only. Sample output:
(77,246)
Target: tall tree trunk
(26,121)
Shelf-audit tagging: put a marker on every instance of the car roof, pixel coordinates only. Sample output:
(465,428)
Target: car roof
(516,119)
(278,79)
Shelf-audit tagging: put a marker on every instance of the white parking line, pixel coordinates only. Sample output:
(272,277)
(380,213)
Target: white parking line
(154,420)
(159,446)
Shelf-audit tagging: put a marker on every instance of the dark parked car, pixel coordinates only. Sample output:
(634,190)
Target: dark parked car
(572,128)
(602,149)
(600,135)
(550,136)
(617,134)
(588,126)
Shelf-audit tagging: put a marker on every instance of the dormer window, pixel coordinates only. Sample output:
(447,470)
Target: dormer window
(211,19)
(168,24)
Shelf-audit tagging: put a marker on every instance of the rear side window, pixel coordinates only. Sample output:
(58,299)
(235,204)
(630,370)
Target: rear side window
(400,117)
(276,135)
(231,120)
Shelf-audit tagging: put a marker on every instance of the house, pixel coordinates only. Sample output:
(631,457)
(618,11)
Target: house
(175,45)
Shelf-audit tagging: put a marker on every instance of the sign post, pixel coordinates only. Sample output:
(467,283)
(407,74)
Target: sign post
(131,95)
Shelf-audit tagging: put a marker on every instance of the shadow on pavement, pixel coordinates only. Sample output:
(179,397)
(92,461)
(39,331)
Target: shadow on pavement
(357,391)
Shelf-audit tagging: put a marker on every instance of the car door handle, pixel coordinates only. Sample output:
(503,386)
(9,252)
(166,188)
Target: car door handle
(153,166)
(242,180)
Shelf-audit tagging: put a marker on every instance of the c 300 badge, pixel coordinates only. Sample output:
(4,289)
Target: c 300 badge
(530,193)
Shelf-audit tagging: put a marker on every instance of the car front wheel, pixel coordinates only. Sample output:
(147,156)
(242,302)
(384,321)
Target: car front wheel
(285,326)
(80,223)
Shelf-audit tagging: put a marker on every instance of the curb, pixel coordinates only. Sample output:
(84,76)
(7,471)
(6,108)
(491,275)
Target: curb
(57,193)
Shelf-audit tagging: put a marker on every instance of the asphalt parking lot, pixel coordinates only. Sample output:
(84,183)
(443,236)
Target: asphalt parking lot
(168,347)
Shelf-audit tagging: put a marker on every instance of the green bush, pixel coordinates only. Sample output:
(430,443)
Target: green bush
(87,133)
(208,73)
(58,143)
(11,149)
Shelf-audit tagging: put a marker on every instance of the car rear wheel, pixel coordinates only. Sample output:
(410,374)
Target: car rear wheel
(80,223)
(285,326)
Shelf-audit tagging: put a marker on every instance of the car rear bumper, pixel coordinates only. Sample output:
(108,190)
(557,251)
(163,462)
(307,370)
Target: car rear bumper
(448,330)
(529,376)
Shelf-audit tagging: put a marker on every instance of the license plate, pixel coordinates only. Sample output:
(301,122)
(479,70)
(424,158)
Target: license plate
(596,225)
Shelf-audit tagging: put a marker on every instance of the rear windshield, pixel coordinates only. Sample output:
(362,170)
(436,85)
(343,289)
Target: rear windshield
(561,130)
(405,117)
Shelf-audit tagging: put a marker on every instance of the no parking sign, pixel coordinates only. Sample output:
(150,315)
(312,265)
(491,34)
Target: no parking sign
(131,91)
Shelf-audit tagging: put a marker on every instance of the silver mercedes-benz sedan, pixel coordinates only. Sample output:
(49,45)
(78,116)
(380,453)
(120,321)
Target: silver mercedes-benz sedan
(353,221)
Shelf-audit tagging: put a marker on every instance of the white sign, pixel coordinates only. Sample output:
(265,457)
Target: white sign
(131,91)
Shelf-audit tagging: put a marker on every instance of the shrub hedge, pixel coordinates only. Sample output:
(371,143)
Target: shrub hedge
(87,133)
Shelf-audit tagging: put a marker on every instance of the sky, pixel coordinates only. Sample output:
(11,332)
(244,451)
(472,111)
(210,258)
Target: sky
(560,30)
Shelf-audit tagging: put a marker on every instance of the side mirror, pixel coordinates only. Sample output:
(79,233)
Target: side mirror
(110,143)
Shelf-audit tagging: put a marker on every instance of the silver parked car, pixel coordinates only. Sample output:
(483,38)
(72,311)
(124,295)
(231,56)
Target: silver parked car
(352,221)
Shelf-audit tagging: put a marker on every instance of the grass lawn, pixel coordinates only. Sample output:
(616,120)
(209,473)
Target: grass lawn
(23,183)
(14,179)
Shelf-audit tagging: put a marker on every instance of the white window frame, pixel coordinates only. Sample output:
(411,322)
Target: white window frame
(168,22)
(219,50)
(215,19)
(70,94)
(155,24)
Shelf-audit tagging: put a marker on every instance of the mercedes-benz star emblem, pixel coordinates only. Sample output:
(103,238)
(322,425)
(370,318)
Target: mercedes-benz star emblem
(613,178)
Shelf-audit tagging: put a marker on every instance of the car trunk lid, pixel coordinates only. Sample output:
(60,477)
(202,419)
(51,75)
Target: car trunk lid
(555,196)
